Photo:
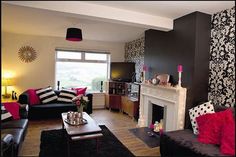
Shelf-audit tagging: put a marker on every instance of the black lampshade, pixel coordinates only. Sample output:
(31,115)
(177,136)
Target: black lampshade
(74,34)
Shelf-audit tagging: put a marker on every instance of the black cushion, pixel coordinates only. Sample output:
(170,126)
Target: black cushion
(184,142)
(22,123)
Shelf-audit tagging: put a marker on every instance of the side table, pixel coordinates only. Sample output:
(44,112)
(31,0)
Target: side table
(7,100)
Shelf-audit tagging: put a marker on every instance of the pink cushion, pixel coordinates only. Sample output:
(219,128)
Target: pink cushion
(209,128)
(13,108)
(80,90)
(218,128)
(33,97)
(227,145)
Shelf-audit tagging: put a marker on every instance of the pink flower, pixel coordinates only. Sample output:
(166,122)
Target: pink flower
(78,103)
(80,100)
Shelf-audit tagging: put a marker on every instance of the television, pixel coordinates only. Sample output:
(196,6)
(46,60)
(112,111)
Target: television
(122,71)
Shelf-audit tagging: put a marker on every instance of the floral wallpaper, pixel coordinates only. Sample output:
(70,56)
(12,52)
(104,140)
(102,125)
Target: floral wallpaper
(134,52)
(222,59)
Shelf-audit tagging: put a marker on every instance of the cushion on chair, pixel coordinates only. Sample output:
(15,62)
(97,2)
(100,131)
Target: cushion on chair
(33,97)
(66,95)
(80,90)
(198,111)
(46,95)
(227,145)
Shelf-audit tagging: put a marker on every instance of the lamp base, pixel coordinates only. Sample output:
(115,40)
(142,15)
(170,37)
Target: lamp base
(6,96)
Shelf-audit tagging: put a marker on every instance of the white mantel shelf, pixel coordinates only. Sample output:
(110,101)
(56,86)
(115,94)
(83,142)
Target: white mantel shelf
(173,99)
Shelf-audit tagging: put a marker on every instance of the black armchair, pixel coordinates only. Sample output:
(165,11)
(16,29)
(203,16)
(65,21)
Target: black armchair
(7,145)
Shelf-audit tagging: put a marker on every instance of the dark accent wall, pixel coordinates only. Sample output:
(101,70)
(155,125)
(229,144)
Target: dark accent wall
(187,44)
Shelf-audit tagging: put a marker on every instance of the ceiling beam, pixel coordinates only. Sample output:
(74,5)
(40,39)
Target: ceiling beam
(102,13)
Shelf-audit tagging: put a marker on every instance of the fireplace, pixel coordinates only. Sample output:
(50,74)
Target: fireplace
(173,101)
(157,113)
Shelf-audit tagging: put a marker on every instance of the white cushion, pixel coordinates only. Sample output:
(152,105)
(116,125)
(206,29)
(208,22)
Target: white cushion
(66,95)
(198,111)
(46,95)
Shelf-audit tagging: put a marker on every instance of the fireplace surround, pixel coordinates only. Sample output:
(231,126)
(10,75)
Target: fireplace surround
(173,99)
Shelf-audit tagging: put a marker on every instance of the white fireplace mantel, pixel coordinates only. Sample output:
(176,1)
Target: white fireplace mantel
(173,99)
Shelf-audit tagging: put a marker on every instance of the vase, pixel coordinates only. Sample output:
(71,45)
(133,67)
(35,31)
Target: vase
(80,111)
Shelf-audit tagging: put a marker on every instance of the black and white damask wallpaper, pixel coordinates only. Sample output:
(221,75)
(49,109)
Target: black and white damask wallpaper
(222,59)
(134,52)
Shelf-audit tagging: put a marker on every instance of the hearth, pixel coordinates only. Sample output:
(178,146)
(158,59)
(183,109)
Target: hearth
(173,101)
(157,113)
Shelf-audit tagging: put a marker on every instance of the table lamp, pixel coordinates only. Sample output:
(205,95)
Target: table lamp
(7,82)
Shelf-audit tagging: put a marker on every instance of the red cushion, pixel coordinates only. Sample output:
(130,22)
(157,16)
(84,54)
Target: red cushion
(80,90)
(209,127)
(228,134)
(13,108)
(33,97)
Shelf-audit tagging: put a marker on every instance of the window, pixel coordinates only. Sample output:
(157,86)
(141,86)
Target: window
(82,69)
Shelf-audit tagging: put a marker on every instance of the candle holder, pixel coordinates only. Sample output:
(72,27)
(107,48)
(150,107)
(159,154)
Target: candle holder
(179,81)
(143,74)
(180,70)
(143,77)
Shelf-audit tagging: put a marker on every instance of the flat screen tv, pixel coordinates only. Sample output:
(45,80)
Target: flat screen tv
(122,71)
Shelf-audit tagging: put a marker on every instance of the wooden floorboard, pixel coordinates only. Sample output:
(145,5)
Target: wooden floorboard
(118,123)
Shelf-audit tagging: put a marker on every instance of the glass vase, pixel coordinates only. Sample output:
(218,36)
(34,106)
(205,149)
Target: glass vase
(80,111)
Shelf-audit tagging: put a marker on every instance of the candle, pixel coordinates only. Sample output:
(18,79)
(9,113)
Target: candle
(180,68)
(144,68)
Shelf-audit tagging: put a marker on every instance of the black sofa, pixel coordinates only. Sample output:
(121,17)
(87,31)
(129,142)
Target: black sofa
(52,110)
(13,133)
(184,143)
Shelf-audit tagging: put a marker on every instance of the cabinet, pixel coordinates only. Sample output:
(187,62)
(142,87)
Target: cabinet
(130,101)
(114,91)
(123,96)
(98,100)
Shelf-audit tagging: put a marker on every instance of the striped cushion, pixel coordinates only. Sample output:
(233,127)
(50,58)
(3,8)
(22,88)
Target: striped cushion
(46,95)
(4,113)
(66,95)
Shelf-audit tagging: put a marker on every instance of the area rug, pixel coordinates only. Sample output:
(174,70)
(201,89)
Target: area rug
(147,136)
(53,143)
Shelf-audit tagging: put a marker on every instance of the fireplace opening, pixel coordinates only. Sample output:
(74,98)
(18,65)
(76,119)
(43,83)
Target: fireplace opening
(157,113)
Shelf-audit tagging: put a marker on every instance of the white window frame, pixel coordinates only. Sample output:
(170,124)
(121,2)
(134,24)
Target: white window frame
(107,61)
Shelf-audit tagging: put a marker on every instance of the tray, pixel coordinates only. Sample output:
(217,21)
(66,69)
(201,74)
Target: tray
(76,124)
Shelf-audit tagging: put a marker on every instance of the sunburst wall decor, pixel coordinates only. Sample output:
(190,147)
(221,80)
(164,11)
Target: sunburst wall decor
(27,54)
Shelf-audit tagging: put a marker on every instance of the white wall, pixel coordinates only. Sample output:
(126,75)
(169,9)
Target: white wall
(41,72)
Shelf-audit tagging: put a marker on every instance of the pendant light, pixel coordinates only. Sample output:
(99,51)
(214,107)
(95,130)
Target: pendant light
(74,34)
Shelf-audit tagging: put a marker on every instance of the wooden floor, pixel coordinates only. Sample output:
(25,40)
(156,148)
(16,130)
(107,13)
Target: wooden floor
(117,123)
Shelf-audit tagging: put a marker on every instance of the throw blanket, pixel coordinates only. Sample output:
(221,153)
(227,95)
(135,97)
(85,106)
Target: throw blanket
(13,108)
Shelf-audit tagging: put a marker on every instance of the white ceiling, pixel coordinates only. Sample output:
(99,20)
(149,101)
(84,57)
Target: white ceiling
(26,20)
(31,21)
(169,9)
